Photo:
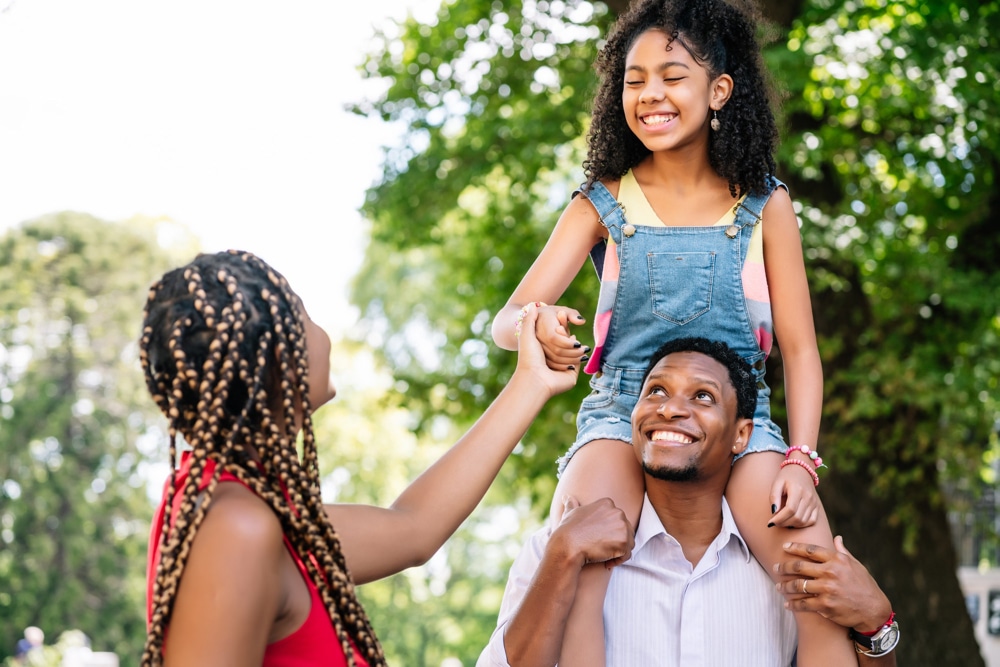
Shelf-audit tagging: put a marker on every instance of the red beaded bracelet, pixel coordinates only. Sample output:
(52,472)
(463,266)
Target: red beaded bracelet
(804,466)
(811,453)
(892,617)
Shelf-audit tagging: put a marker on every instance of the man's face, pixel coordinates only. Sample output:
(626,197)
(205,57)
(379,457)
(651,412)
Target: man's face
(684,425)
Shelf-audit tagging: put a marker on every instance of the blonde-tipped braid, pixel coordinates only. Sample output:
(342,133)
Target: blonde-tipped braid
(216,335)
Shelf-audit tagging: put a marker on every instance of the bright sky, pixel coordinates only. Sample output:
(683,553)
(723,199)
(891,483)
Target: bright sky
(225,116)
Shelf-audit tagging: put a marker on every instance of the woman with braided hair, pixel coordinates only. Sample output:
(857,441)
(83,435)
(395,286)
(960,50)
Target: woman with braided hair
(247,566)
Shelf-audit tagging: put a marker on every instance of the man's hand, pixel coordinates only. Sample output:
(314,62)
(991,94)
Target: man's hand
(597,532)
(834,584)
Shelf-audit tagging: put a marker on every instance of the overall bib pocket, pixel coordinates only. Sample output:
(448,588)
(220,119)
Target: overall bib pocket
(681,284)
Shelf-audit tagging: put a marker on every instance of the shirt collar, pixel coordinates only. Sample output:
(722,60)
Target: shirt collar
(730,531)
(650,526)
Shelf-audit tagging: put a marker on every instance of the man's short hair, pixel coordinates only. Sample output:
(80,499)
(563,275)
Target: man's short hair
(740,372)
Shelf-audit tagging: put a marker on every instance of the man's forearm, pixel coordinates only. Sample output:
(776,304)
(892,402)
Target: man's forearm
(534,634)
(841,589)
(888,660)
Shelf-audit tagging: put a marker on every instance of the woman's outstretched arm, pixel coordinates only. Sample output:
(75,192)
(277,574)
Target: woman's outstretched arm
(378,542)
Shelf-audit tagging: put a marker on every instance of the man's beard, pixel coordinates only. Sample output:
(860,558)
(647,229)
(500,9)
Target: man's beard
(688,473)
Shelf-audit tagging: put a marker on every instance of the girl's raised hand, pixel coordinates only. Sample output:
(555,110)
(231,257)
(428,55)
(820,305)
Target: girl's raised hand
(552,328)
(531,359)
(794,496)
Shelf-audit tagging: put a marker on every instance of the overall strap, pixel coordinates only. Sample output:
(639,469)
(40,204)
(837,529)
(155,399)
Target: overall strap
(750,211)
(608,208)
(757,199)
(612,216)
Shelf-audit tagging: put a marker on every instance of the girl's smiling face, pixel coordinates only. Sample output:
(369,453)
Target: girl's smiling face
(667,95)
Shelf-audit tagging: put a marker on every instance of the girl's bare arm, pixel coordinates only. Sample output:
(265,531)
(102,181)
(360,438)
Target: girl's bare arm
(559,262)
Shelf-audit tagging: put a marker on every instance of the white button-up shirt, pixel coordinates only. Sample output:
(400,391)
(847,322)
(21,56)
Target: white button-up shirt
(661,611)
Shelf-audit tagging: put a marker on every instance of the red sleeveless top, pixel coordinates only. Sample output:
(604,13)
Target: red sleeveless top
(314,644)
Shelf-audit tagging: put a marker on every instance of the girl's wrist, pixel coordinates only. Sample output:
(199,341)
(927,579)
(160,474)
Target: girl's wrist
(805,454)
(799,463)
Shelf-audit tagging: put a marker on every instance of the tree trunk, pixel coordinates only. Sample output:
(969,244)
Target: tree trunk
(935,628)
(924,589)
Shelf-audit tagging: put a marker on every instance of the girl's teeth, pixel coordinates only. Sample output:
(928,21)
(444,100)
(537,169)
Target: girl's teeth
(656,120)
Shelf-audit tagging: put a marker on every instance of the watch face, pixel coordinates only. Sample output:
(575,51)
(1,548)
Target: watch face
(887,640)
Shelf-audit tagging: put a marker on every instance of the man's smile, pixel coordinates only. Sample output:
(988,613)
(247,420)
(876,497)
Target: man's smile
(670,437)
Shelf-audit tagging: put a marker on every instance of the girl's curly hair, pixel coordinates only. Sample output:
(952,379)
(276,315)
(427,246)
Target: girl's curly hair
(722,36)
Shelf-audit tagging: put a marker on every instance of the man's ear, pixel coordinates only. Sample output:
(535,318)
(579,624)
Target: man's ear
(744,427)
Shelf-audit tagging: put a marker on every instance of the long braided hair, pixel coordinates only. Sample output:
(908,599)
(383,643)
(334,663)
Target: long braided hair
(223,348)
(722,36)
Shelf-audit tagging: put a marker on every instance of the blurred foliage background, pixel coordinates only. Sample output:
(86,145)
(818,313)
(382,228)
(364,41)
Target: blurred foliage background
(890,147)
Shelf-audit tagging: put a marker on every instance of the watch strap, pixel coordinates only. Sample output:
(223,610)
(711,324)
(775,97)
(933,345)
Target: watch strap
(862,639)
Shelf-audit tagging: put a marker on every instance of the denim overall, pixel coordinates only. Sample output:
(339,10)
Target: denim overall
(673,282)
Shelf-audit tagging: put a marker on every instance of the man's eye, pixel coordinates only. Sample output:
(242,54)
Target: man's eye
(658,391)
(704,396)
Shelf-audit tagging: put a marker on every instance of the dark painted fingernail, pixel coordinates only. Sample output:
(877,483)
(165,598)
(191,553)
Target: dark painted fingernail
(774,508)
(571,368)
(586,349)
(584,358)
(577,344)
(770,525)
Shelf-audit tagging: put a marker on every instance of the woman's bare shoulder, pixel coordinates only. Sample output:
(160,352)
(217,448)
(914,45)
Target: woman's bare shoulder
(239,518)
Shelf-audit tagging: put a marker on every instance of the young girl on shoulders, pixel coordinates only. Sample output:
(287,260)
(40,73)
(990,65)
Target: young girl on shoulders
(692,236)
